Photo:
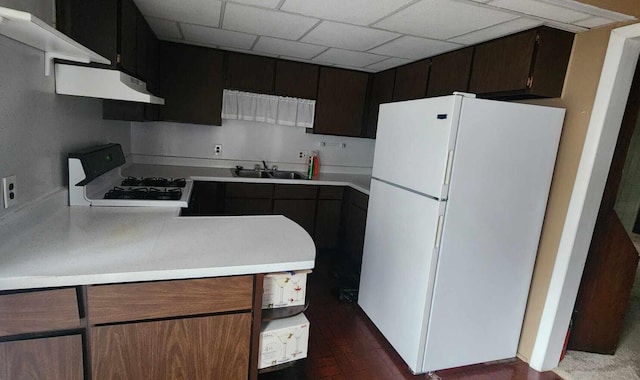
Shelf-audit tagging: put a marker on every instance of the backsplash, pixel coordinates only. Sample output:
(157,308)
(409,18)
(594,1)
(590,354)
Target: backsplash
(247,142)
(38,128)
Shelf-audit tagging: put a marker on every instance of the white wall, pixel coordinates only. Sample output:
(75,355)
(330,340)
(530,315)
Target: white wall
(628,200)
(247,141)
(38,128)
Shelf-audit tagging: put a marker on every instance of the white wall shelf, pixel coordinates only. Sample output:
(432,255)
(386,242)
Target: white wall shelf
(30,30)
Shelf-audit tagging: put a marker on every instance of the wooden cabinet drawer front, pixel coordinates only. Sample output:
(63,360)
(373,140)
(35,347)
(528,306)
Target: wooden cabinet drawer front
(330,192)
(249,190)
(163,299)
(359,199)
(214,347)
(45,310)
(295,192)
(46,358)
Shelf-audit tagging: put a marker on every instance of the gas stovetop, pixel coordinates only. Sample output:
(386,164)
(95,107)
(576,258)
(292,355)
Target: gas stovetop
(95,180)
(172,194)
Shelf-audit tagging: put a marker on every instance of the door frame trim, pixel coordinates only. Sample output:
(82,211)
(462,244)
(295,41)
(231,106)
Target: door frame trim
(604,125)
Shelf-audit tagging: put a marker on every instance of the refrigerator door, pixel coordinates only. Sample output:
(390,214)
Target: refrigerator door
(414,143)
(505,156)
(398,265)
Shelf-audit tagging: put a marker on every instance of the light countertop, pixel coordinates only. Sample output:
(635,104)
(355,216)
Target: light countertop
(360,182)
(79,245)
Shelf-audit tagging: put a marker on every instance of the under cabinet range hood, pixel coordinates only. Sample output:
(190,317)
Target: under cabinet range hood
(101,83)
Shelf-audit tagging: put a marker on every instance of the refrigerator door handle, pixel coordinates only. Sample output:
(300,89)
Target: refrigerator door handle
(447,175)
(439,231)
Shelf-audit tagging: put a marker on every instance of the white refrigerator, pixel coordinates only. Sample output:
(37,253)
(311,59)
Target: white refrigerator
(456,205)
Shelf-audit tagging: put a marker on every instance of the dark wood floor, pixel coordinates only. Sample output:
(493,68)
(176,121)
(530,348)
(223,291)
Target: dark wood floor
(344,344)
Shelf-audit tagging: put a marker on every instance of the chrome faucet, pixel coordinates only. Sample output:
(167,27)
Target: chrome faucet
(264,163)
(266,167)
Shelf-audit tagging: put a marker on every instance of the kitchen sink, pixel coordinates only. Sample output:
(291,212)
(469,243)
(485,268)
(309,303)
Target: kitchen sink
(247,173)
(287,175)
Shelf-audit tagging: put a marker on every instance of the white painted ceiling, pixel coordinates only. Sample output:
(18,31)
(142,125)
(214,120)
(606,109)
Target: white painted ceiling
(367,35)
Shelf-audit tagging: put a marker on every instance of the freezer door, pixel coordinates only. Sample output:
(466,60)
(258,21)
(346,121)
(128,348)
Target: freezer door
(414,143)
(398,266)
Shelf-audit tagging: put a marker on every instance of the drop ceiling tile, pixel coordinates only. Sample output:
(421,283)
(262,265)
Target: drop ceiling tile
(414,47)
(540,9)
(388,63)
(594,22)
(260,3)
(201,12)
(443,19)
(359,12)
(288,48)
(356,68)
(350,37)
(215,36)
(265,22)
(164,29)
(496,31)
(302,60)
(348,58)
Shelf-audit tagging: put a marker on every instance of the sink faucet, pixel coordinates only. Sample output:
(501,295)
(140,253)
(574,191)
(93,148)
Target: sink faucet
(264,163)
(266,167)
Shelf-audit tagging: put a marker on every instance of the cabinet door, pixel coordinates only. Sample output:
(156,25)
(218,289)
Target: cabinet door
(355,229)
(327,223)
(93,24)
(301,211)
(207,199)
(128,37)
(411,81)
(504,64)
(248,206)
(214,347)
(43,359)
(340,104)
(380,91)
(450,72)
(191,83)
(296,79)
(250,73)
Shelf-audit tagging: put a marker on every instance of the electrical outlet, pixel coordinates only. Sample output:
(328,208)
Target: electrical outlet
(217,149)
(303,155)
(9,187)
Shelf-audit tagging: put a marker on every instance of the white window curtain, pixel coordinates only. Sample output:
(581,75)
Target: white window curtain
(292,112)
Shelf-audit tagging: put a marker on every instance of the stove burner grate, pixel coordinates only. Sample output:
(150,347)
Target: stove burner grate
(150,193)
(154,181)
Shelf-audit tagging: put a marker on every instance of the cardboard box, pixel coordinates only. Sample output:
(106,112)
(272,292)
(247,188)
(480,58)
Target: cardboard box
(284,289)
(283,340)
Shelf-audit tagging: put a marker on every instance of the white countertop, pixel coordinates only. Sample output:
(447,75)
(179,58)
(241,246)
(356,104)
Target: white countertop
(94,245)
(360,182)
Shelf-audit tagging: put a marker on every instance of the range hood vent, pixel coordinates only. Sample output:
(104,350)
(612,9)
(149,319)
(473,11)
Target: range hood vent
(101,83)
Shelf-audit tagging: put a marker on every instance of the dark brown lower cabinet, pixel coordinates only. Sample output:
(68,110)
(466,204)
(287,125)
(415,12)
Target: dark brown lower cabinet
(327,223)
(215,347)
(52,358)
(301,211)
(248,206)
(354,223)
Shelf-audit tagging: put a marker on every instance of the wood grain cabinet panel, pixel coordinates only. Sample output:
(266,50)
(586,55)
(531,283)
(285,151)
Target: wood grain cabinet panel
(295,192)
(327,223)
(191,83)
(380,91)
(296,79)
(249,190)
(450,72)
(39,311)
(524,65)
(411,81)
(340,104)
(56,358)
(250,73)
(162,299)
(216,347)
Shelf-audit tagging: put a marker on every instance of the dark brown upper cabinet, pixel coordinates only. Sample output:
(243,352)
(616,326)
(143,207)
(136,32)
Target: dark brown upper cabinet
(340,103)
(530,64)
(450,72)
(249,73)
(411,81)
(191,83)
(295,79)
(380,91)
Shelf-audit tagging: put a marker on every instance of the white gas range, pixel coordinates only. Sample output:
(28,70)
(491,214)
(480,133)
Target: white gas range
(95,180)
